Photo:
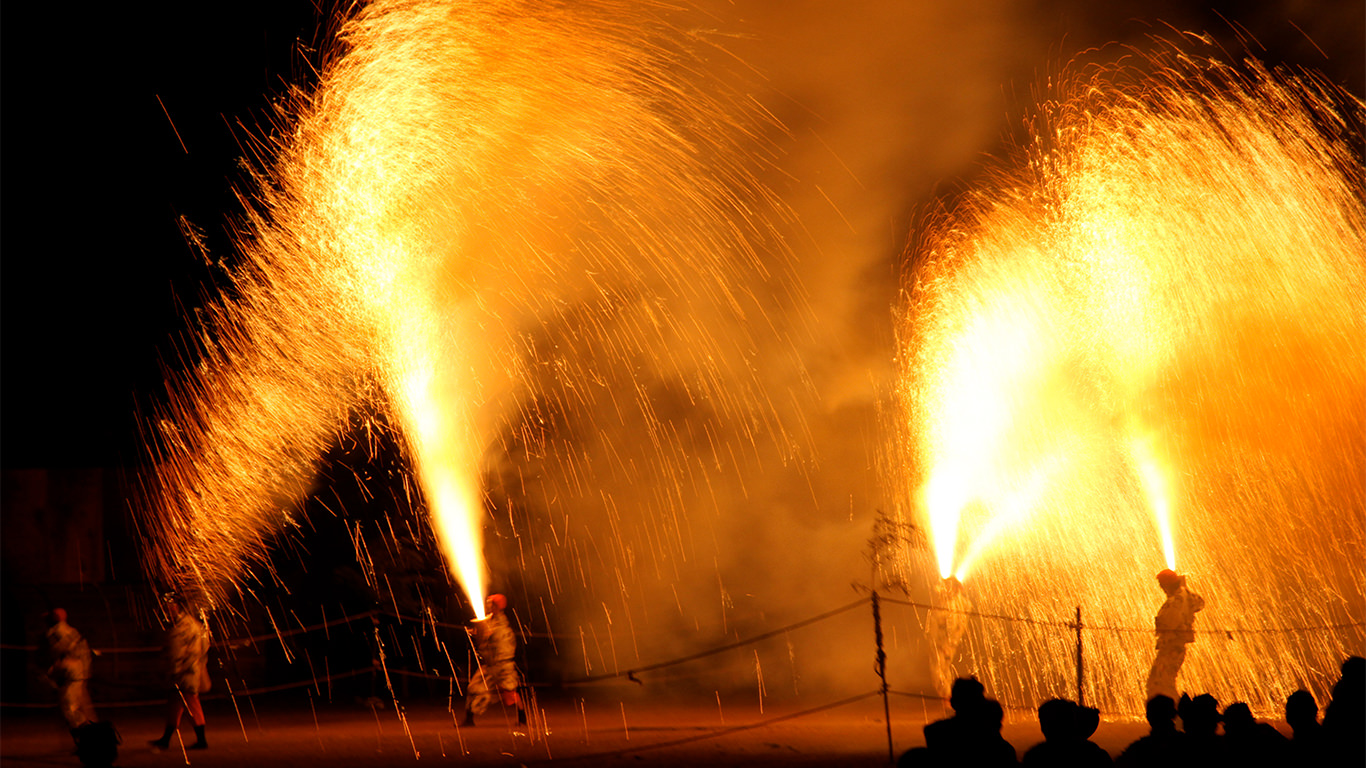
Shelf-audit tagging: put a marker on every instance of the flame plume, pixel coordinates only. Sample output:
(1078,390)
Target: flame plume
(464,174)
(1161,316)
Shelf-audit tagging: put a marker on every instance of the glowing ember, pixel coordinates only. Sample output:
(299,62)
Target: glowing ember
(478,207)
(1162,317)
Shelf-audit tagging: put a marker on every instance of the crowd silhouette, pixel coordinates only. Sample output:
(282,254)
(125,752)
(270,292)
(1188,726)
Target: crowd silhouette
(972,736)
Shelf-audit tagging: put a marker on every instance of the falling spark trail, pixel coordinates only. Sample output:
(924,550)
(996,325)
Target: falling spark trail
(237,709)
(759,680)
(252,703)
(317,729)
(1168,299)
(172,122)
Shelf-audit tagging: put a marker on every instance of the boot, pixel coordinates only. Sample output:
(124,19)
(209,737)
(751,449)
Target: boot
(165,741)
(199,741)
(469,719)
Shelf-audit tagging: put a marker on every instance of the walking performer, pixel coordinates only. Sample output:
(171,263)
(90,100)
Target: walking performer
(66,659)
(1174,624)
(186,653)
(948,623)
(496,647)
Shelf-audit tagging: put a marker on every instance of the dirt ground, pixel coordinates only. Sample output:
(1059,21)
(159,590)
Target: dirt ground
(597,732)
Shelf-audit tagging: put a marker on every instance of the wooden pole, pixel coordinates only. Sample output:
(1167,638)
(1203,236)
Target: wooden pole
(882,674)
(1081,695)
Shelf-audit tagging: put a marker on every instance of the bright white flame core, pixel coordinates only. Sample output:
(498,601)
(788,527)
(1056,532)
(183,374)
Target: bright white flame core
(447,458)
(1155,484)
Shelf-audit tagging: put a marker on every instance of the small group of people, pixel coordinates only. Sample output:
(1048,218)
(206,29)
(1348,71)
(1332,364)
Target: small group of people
(972,736)
(1339,740)
(65,658)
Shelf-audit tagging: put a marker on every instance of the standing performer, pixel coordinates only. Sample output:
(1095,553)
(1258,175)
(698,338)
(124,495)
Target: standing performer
(496,646)
(1174,624)
(948,623)
(66,658)
(186,652)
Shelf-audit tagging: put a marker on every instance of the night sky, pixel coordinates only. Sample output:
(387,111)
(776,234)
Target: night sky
(95,273)
(94,181)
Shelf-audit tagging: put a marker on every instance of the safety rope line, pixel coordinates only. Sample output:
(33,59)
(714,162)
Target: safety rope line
(430,676)
(941,609)
(209,697)
(945,700)
(430,622)
(630,673)
(712,735)
(1241,630)
(1073,624)
(926,696)
(238,642)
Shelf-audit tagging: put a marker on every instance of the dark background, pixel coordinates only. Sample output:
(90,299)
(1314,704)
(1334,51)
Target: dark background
(95,272)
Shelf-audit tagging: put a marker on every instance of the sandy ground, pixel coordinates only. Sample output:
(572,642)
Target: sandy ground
(595,733)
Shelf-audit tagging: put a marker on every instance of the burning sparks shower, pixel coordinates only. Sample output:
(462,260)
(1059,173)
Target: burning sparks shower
(1144,350)
(471,189)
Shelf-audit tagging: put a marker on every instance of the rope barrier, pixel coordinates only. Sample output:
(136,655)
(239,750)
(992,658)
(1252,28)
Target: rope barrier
(630,673)
(1242,630)
(428,676)
(979,614)
(713,734)
(281,635)
(926,696)
(237,642)
(325,679)
(1073,624)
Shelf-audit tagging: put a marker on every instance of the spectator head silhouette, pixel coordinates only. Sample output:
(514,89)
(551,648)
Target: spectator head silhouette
(1200,715)
(966,695)
(1161,712)
(55,616)
(1058,720)
(1349,696)
(1088,720)
(1238,719)
(1354,666)
(1344,719)
(992,714)
(1301,710)
(1353,673)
